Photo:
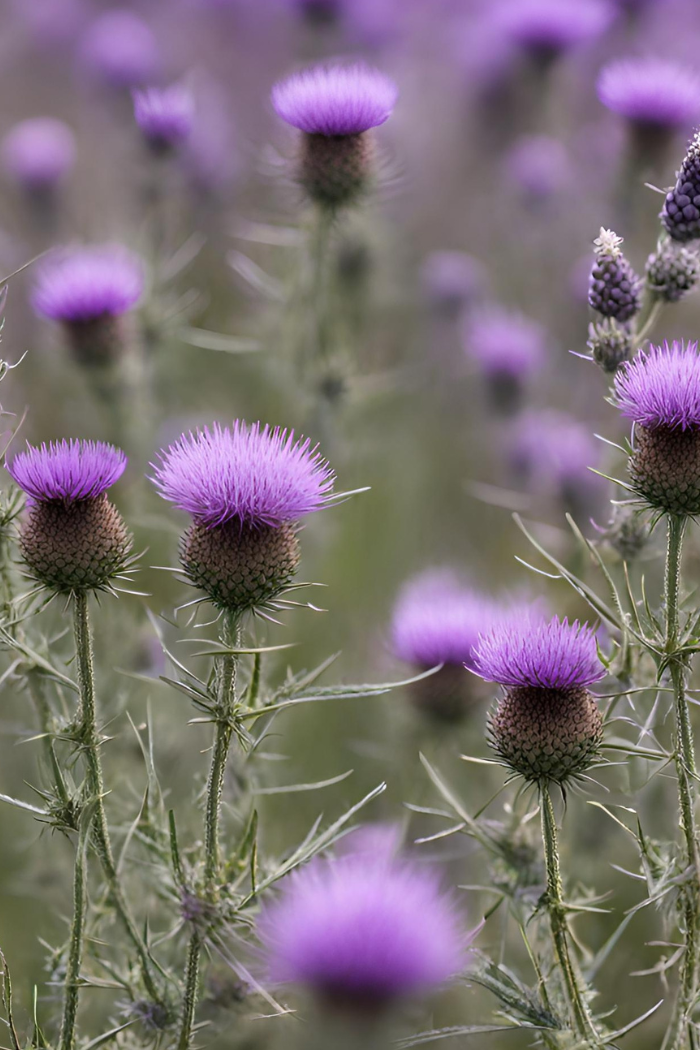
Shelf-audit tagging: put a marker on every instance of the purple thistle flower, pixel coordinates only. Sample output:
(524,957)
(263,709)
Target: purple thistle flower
(437,620)
(661,387)
(538,166)
(531,651)
(335,100)
(549,28)
(164,115)
(553,448)
(67,470)
(504,342)
(452,280)
(363,927)
(651,92)
(38,153)
(82,284)
(256,476)
(120,49)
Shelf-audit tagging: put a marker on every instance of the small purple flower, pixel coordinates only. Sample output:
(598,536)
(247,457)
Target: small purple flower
(531,651)
(651,91)
(661,387)
(552,27)
(437,620)
(251,474)
(38,153)
(366,928)
(335,100)
(504,342)
(164,115)
(120,49)
(613,289)
(452,280)
(67,470)
(554,450)
(82,284)
(538,166)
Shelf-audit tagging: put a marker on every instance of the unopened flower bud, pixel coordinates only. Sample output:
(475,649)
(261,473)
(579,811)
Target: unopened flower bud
(610,344)
(672,271)
(613,289)
(681,211)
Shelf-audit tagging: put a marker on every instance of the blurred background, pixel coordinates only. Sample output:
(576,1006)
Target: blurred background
(456,302)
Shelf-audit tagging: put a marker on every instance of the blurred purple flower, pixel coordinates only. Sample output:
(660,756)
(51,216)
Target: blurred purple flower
(538,166)
(67,470)
(452,280)
(120,49)
(52,22)
(335,100)
(363,928)
(548,28)
(531,651)
(251,474)
(38,153)
(651,91)
(84,283)
(661,387)
(164,115)
(553,450)
(504,342)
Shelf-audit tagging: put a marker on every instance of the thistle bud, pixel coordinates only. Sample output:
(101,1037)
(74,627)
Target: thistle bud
(246,488)
(681,211)
(613,289)
(73,538)
(547,726)
(610,344)
(672,271)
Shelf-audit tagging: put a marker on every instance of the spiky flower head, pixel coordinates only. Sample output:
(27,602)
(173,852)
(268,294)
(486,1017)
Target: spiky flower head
(246,487)
(367,929)
(549,28)
(672,271)
(660,392)
(681,211)
(547,725)
(164,115)
(38,153)
(610,344)
(335,106)
(73,538)
(508,348)
(651,92)
(120,49)
(613,289)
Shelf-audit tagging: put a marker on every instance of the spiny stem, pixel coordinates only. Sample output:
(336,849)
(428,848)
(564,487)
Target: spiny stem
(226,702)
(678,1033)
(37,692)
(71,983)
(90,742)
(583,1023)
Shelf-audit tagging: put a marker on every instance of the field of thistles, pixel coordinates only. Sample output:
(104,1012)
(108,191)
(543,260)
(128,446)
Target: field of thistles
(349,507)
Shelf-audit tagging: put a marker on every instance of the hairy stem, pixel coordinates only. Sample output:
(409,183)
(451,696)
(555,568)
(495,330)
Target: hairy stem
(90,742)
(583,1024)
(226,702)
(71,984)
(678,1034)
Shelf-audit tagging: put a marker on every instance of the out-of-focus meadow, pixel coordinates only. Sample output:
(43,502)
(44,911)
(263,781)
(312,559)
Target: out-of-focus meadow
(491,151)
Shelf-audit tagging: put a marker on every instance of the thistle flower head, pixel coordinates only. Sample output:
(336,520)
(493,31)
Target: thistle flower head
(531,651)
(651,91)
(452,280)
(613,288)
(661,387)
(437,620)
(81,284)
(681,211)
(164,115)
(553,448)
(38,153)
(253,474)
(504,341)
(67,470)
(552,27)
(608,243)
(120,49)
(538,166)
(335,100)
(366,928)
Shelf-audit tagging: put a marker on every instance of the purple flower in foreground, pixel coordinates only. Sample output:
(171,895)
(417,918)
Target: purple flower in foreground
(73,538)
(245,487)
(651,91)
(164,115)
(81,284)
(38,153)
(548,28)
(531,651)
(67,470)
(120,49)
(367,929)
(335,100)
(661,387)
(256,475)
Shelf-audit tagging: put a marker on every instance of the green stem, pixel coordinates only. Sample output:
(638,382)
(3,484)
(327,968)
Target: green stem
(90,741)
(678,1033)
(225,709)
(583,1023)
(71,984)
(648,315)
(319,290)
